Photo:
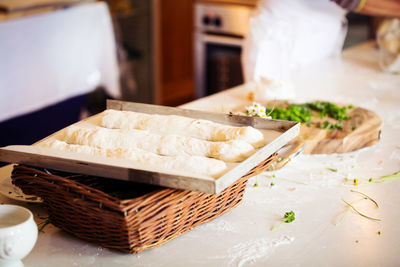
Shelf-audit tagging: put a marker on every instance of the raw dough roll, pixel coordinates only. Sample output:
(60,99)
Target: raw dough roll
(172,124)
(168,145)
(191,164)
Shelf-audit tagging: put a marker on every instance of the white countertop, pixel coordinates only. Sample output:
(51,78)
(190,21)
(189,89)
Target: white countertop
(242,237)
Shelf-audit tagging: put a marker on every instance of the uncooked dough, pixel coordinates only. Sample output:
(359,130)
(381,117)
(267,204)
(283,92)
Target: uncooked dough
(172,124)
(190,164)
(168,145)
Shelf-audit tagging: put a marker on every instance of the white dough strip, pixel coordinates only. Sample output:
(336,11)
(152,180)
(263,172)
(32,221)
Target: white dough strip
(180,125)
(168,145)
(190,164)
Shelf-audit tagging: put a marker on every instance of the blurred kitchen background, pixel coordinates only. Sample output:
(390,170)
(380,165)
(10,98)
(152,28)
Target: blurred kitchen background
(167,52)
(182,49)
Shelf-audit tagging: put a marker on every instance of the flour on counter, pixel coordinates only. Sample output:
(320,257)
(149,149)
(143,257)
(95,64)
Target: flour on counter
(248,252)
(395,155)
(219,226)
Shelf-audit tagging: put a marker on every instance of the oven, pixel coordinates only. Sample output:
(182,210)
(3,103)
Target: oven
(219,35)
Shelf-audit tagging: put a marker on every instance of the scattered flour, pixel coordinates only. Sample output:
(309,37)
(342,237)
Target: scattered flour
(218,226)
(395,155)
(248,252)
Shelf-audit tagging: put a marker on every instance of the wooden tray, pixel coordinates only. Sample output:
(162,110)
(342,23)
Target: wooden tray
(276,133)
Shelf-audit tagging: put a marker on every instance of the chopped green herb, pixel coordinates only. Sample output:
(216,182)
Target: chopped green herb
(330,126)
(272,184)
(387,178)
(359,213)
(375,181)
(287,218)
(255,185)
(329,109)
(366,197)
(294,112)
(379,232)
(43,224)
(331,169)
(347,210)
(303,113)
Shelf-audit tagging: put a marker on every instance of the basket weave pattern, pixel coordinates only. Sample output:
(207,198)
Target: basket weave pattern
(130,225)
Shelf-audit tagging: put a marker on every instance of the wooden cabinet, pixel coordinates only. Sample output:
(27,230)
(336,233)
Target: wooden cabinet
(157,36)
(173,41)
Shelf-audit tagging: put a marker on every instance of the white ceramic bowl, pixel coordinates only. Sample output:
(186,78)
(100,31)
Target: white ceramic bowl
(18,234)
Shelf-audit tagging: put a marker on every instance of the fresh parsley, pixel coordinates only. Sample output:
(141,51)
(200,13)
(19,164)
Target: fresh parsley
(287,218)
(304,113)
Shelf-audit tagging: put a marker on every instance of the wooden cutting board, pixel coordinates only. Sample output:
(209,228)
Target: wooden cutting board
(362,130)
(366,133)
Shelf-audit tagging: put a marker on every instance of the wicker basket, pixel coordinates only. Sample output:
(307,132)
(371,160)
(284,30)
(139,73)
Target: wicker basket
(154,215)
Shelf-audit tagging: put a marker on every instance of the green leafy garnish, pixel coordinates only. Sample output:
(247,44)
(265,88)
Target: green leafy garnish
(287,218)
(294,112)
(331,169)
(328,109)
(303,113)
(330,126)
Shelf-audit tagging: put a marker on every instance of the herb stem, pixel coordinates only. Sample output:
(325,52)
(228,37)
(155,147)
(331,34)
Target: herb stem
(359,213)
(347,210)
(367,197)
(276,226)
(387,178)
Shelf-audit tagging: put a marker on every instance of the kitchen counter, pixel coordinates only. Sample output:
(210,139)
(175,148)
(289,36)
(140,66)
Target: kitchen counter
(242,237)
